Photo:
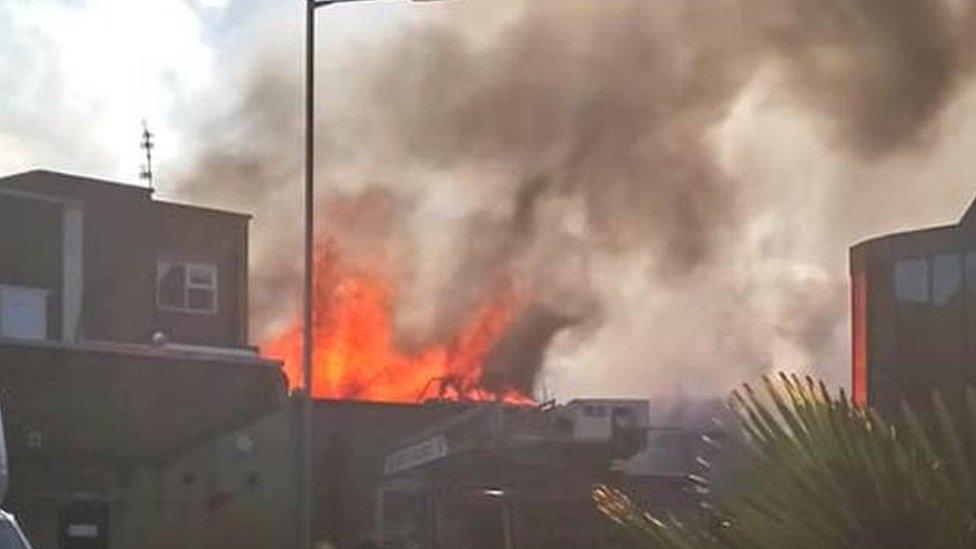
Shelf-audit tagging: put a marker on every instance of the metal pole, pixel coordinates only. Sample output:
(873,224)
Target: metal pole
(305,476)
(306,481)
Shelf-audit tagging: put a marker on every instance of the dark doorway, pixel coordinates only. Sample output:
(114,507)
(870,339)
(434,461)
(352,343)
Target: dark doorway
(84,525)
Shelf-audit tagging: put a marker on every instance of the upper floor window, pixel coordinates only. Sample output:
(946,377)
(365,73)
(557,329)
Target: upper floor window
(912,280)
(946,279)
(937,279)
(185,286)
(595,410)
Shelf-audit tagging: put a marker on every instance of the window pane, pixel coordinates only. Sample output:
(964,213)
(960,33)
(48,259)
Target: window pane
(946,279)
(172,285)
(970,268)
(23,312)
(912,281)
(201,275)
(200,299)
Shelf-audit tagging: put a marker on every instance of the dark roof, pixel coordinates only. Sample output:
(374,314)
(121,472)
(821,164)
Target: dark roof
(79,187)
(969,217)
(48,181)
(912,234)
(204,209)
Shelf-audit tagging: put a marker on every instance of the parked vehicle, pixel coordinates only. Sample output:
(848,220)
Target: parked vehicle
(11,536)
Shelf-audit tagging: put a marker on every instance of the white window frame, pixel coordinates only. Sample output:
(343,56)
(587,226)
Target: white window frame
(188,284)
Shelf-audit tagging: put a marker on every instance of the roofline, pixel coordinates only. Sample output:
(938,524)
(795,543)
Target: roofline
(903,234)
(120,186)
(40,197)
(609,400)
(145,350)
(86,178)
(170,203)
(425,405)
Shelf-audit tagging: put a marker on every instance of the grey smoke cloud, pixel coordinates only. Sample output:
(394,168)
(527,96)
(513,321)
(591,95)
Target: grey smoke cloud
(676,182)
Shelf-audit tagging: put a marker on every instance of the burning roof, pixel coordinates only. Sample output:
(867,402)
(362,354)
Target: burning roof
(356,355)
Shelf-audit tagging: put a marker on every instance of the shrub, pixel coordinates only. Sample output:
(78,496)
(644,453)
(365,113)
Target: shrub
(820,472)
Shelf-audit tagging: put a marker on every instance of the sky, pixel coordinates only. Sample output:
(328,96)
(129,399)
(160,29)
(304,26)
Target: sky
(797,160)
(79,76)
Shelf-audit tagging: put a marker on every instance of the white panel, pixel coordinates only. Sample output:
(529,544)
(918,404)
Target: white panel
(23,312)
(73,269)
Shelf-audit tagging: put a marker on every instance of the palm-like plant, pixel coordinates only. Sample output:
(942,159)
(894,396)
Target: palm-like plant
(819,472)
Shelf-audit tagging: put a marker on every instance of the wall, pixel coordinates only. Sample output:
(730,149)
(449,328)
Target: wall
(200,235)
(124,233)
(118,280)
(234,492)
(914,345)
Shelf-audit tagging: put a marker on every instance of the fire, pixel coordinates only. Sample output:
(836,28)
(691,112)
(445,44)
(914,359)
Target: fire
(355,354)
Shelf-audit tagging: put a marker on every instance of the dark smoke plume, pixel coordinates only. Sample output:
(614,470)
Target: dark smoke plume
(593,151)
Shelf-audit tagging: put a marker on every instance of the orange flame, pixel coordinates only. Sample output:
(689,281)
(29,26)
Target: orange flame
(355,355)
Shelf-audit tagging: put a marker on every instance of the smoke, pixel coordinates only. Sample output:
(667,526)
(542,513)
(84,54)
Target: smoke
(675,184)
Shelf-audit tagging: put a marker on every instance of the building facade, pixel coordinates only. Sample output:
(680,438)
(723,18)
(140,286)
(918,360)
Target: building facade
(123,347)
(913,297)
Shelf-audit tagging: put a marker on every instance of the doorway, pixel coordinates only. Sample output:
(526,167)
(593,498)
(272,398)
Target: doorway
(84,525)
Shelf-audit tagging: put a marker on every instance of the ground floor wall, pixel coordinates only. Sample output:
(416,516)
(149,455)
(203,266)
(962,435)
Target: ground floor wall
(235,491)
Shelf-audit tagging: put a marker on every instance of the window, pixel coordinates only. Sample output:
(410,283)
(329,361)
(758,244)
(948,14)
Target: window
(969,267)
(912,280)
(859,339)
(946,279)
(594,410)
(182,286)
(23,312)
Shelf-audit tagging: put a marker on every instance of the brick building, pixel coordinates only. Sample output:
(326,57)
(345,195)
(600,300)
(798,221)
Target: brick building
(123,345)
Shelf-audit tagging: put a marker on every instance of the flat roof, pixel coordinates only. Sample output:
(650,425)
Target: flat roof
(206,209)
(25,181)
(909,234)
(171,352)
(59,177)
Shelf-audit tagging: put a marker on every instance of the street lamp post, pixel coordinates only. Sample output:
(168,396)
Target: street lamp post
(305,489)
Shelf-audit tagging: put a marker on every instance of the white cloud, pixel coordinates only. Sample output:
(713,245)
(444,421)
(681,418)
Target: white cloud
(81,78)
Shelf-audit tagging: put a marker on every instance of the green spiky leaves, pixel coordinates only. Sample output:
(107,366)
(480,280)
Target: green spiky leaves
(819,472)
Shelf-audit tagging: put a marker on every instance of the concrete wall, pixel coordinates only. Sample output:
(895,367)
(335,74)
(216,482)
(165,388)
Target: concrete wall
(236,491)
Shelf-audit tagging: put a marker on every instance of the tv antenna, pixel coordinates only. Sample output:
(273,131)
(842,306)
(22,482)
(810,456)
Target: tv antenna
(147,144)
